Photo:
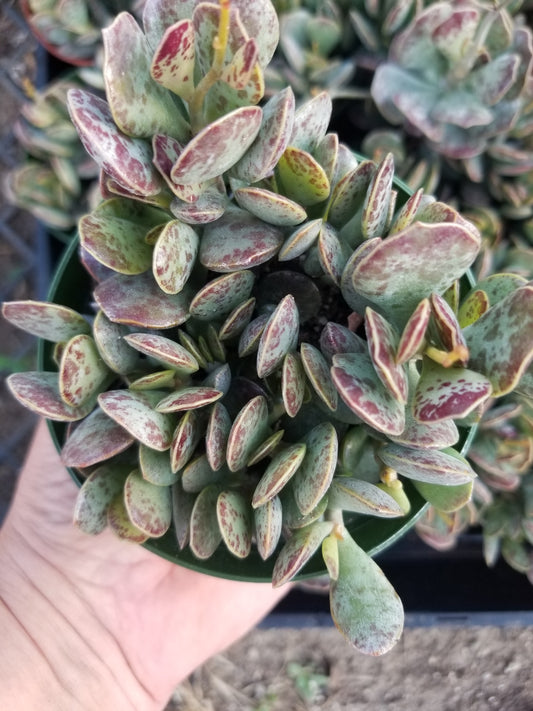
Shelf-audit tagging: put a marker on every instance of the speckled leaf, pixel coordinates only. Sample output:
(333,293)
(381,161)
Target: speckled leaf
(311,122)
(138,301)
(198,474)
(237,241)
(443,393)
(270,207)
(205,533)
(327,153)
(216,436)
(208,207)
(182,505)
(279,336)
(268,523)
(155,467)
(364,605)
(453,36)
(377,200)
(317,371)
(292,384)
(382,344)
(140,106)
(498,286)
(434,255)
(474,306)
(250,337)
(447,325)
(281,469)
(249,429)
(220,378)
(362,497)
(237,320)
(266,448)
(364,393)
(174,256)
(222,295)
(127,160)
(218,146)
(135,412)
(185,439)
(44,320)
(313,478)
(235,522)
(300,240)
(161,379)
(114,350)
(95,496)
(260,20)
(298,549)
(239,71)
(272,139)
(445,498)
(189,398)
(303,179)
(433,466)
(39,392)
(166,151)
(501,341)
(407,213)
(119,522)
(164,351)
(336,339)
(333,256)
(96,439)
(149,507)
(82,373)
(173,62)
(349,193)
(413,335)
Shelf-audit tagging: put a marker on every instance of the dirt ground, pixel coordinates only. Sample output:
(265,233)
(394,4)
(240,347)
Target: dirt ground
(288,669)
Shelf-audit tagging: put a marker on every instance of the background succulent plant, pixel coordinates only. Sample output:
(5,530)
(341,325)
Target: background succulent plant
(277,342)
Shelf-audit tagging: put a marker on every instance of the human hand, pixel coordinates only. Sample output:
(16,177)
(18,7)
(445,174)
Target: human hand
(96,622)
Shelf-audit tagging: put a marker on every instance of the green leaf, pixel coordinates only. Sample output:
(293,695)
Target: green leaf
(446,467)
(174,256)
(221,295)
(298,550)
(114,350)
(96,495)
(205,533)
(311,121)
(445,498)
(149,507)
(155,467)
(270,207)
(198,474)
(303,179)
(119,522)
(49,321)
(235,522)
(362,497)
(313,478)
(96,439)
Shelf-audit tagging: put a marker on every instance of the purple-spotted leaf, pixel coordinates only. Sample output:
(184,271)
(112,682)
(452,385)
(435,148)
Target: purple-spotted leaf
(249,429)
(407,213)
(446,467)
(311,122)
(501,341)
(298,549)
(260,20)
(135,412)
(237,241)
(237,320)
(159,15)
(154,381)
(114,350)
(49,321)
(174,256)
(266,448)
(119,522)
(281,469)
(302,177)
(96,439)
(198,474)
(205,533)
(364,606)
(173,62)
(448,393)
(218,146)
(331,253)
(184,440)
(140,106)
(39,392)
(318,374)
(149,507)
(327,153)
(250,337)
(235,522)
(267,524)
(293,518)
(300,240)
(330,554)
(377,200)
(182,505)
(96,495)
(155,467)
(362,497)
(127,160)
(382,346)
(138,301)
(363,392)
(222,295)
(189,398)
(313,478)
(164,351)
(336,339)
(434,255)
(208,207)
(278,337)
(166,151)
(239,71)
(474,306)
(270,207)
(499,286)
(413,335)
(216,436)
(271,141)
(445,498)
(219,378)
(349,193)
(447,326)
(292,384)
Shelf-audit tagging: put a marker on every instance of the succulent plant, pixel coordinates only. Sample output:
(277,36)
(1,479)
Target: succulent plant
(278,343)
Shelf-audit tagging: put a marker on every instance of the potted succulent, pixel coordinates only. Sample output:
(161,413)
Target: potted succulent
(268,355)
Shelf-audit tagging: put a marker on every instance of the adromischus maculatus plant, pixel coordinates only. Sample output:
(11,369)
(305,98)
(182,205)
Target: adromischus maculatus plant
(274,344)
